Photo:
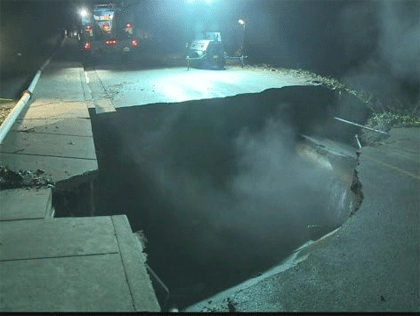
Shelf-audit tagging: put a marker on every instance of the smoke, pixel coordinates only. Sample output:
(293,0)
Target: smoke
(399,43)
(273,177)
(220,187)
(383,48)
(225,191)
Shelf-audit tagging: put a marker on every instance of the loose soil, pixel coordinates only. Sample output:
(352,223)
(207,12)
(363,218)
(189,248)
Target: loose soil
(5,109)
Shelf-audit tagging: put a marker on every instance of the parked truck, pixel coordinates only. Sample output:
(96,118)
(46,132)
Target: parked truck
(209,52)
(108,31)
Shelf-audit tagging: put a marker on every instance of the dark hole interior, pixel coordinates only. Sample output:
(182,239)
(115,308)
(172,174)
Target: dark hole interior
(217,186)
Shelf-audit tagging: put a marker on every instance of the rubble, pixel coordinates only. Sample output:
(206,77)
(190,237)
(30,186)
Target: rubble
(11,179)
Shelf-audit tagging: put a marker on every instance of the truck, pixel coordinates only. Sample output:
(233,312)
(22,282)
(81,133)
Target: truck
(108,31)
(209,52)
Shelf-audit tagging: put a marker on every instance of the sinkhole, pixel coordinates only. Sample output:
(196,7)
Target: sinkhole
(224,189)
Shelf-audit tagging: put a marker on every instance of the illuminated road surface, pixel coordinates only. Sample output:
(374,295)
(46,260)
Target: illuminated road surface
(115,86)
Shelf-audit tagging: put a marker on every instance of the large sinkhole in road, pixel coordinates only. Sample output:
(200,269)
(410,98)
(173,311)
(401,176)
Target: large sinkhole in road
(223,189)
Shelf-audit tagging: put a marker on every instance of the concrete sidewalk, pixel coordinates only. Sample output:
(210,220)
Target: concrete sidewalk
(54,134)
(63,264)
(371,263)
(73,264)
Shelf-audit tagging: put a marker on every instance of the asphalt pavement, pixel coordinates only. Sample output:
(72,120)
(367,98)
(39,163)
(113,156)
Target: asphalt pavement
(132,84)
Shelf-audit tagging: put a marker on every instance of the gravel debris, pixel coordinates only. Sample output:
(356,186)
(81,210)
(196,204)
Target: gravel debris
(11,179)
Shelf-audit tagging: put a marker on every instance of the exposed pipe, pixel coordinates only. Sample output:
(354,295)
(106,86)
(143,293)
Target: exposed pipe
(160,283)
(358,141)
(362,126)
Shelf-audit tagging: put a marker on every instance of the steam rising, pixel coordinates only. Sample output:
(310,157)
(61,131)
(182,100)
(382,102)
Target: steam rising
(224,192)
(219,186)
(385,47)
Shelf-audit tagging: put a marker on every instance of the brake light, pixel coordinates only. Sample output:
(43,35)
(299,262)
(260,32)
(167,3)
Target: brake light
(88,46)
(111,42)
(135,42)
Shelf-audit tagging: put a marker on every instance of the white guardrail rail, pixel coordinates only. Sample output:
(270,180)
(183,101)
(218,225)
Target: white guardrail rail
(23,101)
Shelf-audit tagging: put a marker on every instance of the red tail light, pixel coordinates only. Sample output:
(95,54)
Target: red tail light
(135,42)
(88,46)
(111,42)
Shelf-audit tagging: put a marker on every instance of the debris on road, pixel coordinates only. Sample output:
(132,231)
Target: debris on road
(10,179)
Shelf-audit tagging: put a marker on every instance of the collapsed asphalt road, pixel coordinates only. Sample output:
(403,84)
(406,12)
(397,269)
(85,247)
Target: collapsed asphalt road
(223,188)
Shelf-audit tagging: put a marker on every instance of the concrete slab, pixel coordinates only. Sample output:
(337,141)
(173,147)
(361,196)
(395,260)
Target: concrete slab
(104,106)
(47,111)
(65,264)
(54,133)
(68,126)
(54,145)
(57,237)
(23,204)
(73,264)
(134,264)
(102,101)
(95,283)
(59,168)
(61,81)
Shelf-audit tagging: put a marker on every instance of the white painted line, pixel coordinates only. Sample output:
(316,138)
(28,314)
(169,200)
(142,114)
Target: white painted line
(87,78)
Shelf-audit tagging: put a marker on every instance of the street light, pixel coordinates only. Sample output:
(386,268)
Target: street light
(83,13)
(241,22)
